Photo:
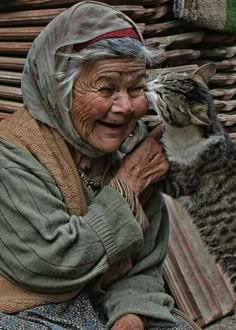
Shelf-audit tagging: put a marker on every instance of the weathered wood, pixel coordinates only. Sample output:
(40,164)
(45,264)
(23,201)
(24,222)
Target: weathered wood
(223,93)
(10,92)
(10,77)
(20,33)
(154,13)
(4,115)
(14,47)
(14,63)
(8,107)
(224,79)
(219,38)
(29,17)
(221,53)
(224,65)
(176,56)
(227,65)
(225,106)
(43,16)
(176,40)
(156,29)
(228,120)
(24,4)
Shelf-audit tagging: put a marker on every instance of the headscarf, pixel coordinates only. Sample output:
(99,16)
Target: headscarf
(78,25)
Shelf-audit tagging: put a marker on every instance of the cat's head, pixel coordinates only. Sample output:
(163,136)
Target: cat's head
(182,99)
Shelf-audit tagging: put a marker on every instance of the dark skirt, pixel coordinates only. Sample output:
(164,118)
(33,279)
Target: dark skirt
(78,313)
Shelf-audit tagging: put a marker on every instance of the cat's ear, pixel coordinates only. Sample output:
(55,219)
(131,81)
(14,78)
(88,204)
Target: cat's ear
(199,117)
(206,72)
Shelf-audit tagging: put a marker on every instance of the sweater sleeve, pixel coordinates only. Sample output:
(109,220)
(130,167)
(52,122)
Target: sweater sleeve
(133,201)
(45,249)
(141,291)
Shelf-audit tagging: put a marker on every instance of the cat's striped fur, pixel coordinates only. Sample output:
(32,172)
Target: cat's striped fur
(202,159)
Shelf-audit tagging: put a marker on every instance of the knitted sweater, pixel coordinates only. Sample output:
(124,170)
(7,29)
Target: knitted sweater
(45,249)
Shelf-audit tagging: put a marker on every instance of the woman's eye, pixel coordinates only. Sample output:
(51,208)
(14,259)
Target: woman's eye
(137,91)
(106,91)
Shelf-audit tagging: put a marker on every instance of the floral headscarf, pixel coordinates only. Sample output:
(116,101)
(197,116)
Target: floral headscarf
(40,87)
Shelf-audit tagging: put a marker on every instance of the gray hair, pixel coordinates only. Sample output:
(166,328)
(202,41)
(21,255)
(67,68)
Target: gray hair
(103,49)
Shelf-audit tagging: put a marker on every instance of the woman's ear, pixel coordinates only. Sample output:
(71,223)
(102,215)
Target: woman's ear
(206,72)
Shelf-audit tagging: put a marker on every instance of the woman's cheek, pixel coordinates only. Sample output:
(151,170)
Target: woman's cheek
(100,106)
(140,106)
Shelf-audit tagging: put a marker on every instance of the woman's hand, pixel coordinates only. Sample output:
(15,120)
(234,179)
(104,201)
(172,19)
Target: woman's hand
(128,322)
(145,165)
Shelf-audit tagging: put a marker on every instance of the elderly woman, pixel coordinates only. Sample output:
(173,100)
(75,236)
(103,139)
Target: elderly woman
(84,232)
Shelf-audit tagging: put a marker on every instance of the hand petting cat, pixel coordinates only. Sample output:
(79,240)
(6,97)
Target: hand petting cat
(145,165)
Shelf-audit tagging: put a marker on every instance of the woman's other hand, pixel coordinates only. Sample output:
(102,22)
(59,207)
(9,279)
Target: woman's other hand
(145,165)
(128,322)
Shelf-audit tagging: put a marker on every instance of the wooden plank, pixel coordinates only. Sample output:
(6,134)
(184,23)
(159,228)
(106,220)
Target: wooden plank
(8,107)
(10,92)
(20,33)
(134,12)
(24,4)
(153,13)
(228,120)
(43,16)
(4,115)
(221,53)
(29,17)
(224,93)
(14,63)
(224,65)
(223,78)
(177,56)
(219,38)
(10,77)
(156,29)
(14,47)
(176,40)
(225,106)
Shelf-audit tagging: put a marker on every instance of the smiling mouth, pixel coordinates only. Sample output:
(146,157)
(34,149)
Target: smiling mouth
(110,125)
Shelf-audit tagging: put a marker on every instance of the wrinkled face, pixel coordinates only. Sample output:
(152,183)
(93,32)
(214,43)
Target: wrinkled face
(108,99)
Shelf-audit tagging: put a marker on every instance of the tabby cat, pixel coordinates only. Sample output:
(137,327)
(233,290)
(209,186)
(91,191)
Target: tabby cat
(202,158)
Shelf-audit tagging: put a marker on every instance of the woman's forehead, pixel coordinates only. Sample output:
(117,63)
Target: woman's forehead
(115,68)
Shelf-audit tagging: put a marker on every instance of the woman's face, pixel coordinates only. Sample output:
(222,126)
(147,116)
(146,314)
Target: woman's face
(108,99)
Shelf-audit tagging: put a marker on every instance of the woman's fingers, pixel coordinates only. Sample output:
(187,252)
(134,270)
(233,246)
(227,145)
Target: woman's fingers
(145,165)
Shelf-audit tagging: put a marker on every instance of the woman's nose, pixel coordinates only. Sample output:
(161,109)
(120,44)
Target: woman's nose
(122,103)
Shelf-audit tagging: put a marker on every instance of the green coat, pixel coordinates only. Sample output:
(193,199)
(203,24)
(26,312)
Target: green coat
(45,249)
